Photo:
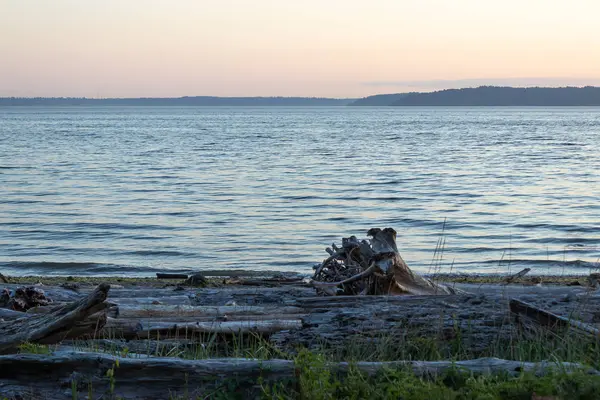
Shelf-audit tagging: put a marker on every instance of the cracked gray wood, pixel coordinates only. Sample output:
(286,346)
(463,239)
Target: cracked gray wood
(76,318)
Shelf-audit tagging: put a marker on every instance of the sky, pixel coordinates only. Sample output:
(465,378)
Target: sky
(322,48)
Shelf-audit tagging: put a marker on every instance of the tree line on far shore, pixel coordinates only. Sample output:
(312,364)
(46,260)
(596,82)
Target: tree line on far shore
(490,96)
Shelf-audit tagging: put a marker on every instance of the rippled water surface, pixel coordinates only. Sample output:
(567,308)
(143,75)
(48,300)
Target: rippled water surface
(133,190)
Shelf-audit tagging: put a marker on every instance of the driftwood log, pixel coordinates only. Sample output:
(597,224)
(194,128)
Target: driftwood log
(193,328)
(84,316)
(532,317)
(167,275)
(57,376)
(216,312)
(518,275)
(371,267)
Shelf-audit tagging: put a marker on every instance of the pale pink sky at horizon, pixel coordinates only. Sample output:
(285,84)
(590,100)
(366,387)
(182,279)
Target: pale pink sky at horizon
(330,48)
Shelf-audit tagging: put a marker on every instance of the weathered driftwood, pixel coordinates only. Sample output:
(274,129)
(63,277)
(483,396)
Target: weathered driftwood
(514,277)
(148,301)
(87,328)
(381,300)
(264,327)
(151,328)
(57,376)
(373,267)
(56,306)
(178,311)
(166,347)
(247,295)
(145,292)
(477,322)
(532,315)
(167,275)
(7,314)
(55,326)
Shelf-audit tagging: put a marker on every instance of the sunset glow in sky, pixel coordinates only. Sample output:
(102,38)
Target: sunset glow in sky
(333,48)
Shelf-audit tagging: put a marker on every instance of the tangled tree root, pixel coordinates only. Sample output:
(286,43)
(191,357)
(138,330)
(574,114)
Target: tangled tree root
(371,267)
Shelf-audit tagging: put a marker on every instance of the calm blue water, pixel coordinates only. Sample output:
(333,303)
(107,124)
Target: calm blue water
(134,190)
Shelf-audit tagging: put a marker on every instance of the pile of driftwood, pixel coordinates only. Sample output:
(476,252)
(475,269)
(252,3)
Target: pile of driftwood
(56,323)
(371,267)
(23,298)
(130,327)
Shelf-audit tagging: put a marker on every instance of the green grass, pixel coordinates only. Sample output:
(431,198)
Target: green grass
(314,380)
(35,348)
(382,347)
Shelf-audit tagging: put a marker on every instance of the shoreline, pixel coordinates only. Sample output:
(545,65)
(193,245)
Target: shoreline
(217,278)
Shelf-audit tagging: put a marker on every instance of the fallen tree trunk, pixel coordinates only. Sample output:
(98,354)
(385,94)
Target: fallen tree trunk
(149,301)
(57,325)
(58,376)
(147,329)
(188,329)
(372,268)
(176,311)
(171,276)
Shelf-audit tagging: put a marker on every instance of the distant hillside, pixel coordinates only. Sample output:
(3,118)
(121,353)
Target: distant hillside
(481,96)
(179,101)
(505,96)
(379,99)
(490,96)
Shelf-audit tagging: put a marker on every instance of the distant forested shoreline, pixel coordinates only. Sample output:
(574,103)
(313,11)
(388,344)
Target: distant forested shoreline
(198,101)
(480,96)
(490,96)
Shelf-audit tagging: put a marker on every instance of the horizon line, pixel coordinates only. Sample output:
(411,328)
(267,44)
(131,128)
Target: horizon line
(297,97)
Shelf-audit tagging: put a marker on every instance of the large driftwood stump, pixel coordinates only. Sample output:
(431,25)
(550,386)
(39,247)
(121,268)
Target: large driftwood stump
(371,267)
(84,316)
